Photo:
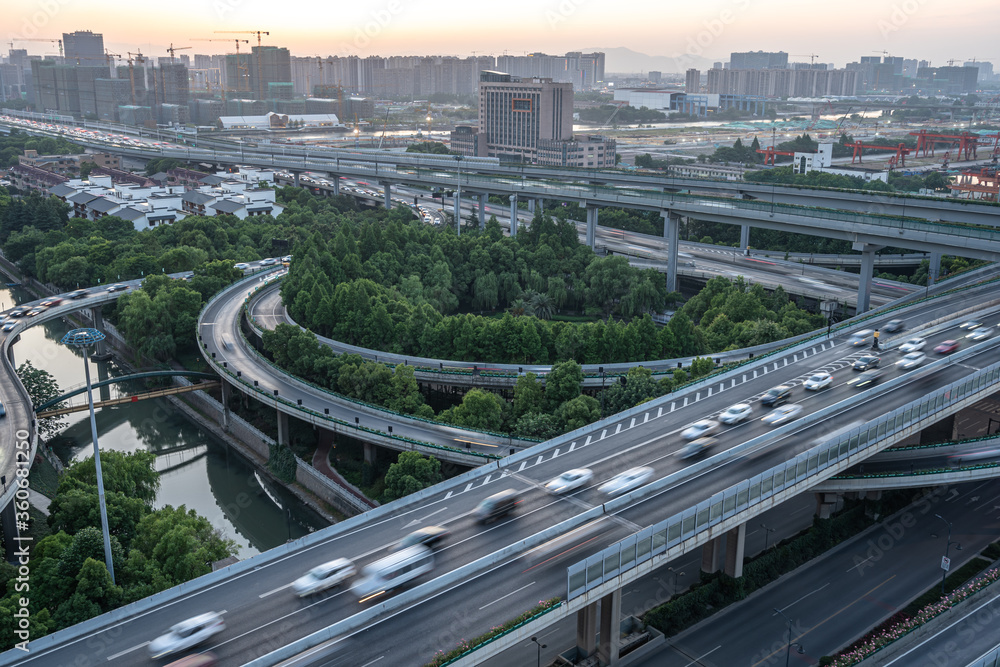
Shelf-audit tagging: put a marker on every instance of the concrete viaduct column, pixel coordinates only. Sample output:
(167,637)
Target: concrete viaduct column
(611,612)
(540,205)
(387,195)
(482,210)
(592,226)
(671,232)
(371,454)
(227,416)
(336,185)
(586,631)
(865,278)
(744,237)
(282,428)
(10,533)
(712,552)
(531,206)
(934,268)
(101,351)
(297,176)
(513,216)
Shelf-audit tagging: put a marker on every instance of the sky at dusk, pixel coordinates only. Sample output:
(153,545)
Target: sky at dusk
(838,32)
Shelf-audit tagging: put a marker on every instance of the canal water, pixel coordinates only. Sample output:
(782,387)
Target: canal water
(196,470)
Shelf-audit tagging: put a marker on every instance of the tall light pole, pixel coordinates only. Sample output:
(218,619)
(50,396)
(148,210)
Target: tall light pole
(540,647)
(458,197)
(767,534)
(945,562)
(83,339)
(790,643)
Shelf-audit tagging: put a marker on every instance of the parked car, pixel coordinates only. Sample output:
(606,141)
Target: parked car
(626,481)
(700,429)
(914,344)
(324,576)
(186,634)
(782,415)
(911,360)
(866,362)
(818,381)
(947,347)
(734,414)
(570,480)
(428,536)
(776,395)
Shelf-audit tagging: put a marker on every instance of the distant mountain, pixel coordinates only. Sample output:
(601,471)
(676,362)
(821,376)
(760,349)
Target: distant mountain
(619,59)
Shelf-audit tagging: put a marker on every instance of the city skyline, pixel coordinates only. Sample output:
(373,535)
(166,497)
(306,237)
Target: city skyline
(689,36)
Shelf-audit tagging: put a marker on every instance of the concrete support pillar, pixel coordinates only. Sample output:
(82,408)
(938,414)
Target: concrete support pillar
(336,185)
(591,226)
(227,416)
(826,504)
(10,533)
(540,205)
(736,540)
(101,350)
(611,612)
(513,216)
(865,279)
(744,237)
(298,183)
(934,268)
(282,428)
(371,453)
(482,210)
(671,232)
(102,375)
(710,552)
(586,631)
(531,206)
(387,195)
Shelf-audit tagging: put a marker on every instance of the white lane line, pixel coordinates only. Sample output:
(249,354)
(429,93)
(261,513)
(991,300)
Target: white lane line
(422,519)
(128,650)
(618,429)
(506,596)
(709,393)
(685,402)
(555,454)
(372,662)
(468,486)
(264,595)
(448,495)
(632,423)
(604,433)
(487,480)
(802,598)
(539,460)
(697,661)
(744,378)
(572,446)
(659,413)
(859,564)
(588,440)
(673,406)
(645,418)
(697,396)
(523,464)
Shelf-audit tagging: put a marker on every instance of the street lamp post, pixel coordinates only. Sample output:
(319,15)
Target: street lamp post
(767,534)
(947,547)
(540,647)
(601,371)
(458,197)
(790,643)
(673,580)
(83,339)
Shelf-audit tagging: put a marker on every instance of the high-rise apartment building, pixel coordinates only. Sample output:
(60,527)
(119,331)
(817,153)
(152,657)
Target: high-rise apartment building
(252,74)
(84,48)
(782,82)
(758,60)
(583,70)
(692,81)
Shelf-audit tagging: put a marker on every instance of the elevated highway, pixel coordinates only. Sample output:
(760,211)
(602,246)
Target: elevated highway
(467,593)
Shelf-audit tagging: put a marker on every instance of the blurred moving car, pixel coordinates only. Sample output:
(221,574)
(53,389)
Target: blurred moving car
(186,634)
(782,415)
(696,447)
(818,381)
(866,362)
(428,536)
(118,287)
(893,326)
(699,429)
(734,414)
(324,576)
(970,324)
(866,379)
(498,505)
(570,480)
(242,266)
(947,347)
(911,360)
(982,333)
(859,338)
(626,481)
(914,344)
(776,395)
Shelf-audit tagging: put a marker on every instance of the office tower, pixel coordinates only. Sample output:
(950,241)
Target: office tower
(84,48)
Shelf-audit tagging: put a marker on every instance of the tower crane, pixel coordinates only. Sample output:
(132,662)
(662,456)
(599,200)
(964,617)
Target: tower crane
(172,48)
(134,58)
(239,67)
(51,40)
(260,76)
(811,56)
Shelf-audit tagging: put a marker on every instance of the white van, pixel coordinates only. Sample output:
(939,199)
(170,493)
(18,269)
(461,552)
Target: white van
(393,571)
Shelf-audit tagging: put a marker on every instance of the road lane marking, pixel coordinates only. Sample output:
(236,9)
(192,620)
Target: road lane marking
(372,662)
(128,650)
(506,596)
(280,588)
(572,446)
(697,661)
(789,606)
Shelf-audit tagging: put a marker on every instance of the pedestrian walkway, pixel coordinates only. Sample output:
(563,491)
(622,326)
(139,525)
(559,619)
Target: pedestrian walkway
(321,462)
(39,502)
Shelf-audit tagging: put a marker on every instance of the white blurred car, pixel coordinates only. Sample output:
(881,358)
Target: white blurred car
(818,381)
(696,447)
(186,634)
(913,345)
(700,429)
(571,480)
(242,266)
(912,360)
(324,576)
(982,333)
(268,262)
(782,415)
(626,481)
(734,414)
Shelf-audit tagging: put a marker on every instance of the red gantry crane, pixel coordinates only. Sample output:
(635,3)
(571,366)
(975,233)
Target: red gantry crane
(898,159)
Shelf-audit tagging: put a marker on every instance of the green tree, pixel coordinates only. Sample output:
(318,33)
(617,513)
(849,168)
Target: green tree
(411,472)
(562,384)
(42,387)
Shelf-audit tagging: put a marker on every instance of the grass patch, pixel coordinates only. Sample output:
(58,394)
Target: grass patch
(43,477)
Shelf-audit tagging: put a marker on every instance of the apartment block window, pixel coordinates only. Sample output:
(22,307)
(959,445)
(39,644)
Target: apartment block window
(520,104)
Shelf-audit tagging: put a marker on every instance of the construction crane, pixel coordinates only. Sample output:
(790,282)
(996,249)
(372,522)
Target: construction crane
(134,58)
(172,48)
(51,40)
(108,56)
(260,75)
(811,56)
(239,67)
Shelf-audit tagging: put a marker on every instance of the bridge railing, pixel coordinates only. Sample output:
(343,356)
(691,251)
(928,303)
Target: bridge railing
(761,491)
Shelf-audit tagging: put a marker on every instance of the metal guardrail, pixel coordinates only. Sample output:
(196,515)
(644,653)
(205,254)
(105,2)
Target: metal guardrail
(989,659)
(809,466)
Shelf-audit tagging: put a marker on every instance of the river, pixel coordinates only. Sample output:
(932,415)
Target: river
(196,470)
